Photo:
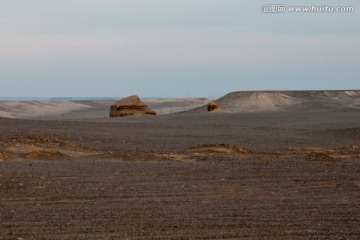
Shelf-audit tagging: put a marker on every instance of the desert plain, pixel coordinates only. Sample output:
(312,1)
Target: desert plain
(275,166)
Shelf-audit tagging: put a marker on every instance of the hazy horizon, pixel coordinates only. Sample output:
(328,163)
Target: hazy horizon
(107,98)
(171,48)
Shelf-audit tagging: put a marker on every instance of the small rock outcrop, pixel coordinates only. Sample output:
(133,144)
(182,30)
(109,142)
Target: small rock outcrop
(2,156)
(130,106)
(215,107)
(318,156)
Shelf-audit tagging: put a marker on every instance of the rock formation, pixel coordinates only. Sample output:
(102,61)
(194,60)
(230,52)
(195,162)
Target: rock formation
(215,107)
(2,156)
(130,106)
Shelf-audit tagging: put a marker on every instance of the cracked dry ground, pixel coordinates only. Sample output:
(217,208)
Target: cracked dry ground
(81,180)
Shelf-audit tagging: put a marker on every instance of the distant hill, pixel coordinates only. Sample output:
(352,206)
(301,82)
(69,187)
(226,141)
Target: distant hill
(65,109)
(289,100)
(236,102)
(54,99)
(272,101)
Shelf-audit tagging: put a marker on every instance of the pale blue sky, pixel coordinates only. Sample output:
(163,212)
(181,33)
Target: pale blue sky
(173,48)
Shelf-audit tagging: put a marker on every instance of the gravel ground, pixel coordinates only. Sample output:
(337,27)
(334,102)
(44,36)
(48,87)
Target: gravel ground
(273,191)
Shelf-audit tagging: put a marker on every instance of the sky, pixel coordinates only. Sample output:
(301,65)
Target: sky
(174,48)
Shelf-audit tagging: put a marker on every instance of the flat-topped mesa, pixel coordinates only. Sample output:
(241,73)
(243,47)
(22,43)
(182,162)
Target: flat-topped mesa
(130,106)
